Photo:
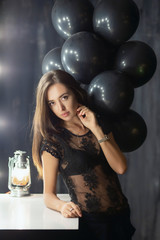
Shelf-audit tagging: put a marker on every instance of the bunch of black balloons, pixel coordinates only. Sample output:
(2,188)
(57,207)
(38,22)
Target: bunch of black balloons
(97,53)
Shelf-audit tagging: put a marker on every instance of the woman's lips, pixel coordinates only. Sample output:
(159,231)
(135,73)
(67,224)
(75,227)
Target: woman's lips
(65,114)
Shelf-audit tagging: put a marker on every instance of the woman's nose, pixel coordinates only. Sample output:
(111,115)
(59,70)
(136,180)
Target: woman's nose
(61,106)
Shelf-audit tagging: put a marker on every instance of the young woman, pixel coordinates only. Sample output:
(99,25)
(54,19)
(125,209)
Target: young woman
(68,139)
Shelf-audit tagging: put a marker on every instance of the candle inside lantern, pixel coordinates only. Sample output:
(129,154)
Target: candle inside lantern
(19,180)
(20,177)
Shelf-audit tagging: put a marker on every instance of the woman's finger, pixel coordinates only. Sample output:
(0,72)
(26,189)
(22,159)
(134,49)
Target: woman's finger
(80,108)
(67,213)
(71,210)
(76,210)
(70,214)
(83,112)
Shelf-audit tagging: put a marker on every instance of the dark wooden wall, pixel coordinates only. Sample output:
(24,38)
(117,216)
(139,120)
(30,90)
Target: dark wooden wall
(26,35)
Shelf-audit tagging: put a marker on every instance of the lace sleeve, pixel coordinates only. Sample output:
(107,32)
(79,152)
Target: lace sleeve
(54,148)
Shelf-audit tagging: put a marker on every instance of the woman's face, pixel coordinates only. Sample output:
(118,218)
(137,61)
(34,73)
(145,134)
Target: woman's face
(62,101)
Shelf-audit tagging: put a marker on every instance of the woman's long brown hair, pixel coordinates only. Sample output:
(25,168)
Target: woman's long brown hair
(45,123)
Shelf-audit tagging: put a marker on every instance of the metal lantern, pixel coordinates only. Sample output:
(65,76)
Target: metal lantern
(19,179)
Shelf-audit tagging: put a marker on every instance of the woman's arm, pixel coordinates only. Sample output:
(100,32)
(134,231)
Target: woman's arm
(50,172)
(111,150)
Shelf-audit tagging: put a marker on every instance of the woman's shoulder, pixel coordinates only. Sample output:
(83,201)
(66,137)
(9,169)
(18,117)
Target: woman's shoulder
(52,145)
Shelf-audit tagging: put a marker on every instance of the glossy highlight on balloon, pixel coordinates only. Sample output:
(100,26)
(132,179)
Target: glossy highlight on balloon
(111,93)
(72,16)
(116,20)
(52,61)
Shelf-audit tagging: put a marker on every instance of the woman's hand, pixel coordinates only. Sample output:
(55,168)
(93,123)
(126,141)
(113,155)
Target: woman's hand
(87,117)
(71,210)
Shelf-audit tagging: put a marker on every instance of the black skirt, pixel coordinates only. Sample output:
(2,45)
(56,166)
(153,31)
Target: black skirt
(103,227)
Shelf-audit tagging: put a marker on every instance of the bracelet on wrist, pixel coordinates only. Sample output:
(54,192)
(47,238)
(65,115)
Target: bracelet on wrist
(104,139)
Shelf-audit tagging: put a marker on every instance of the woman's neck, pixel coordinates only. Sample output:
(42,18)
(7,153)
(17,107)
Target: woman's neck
(74,124)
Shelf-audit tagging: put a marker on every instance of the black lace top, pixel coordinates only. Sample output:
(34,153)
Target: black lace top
(91,182)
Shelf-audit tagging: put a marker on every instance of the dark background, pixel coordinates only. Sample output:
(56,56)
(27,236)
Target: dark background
(26,35)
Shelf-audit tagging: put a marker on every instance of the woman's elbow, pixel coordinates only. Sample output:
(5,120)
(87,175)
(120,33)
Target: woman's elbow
(45,199)
(122,165)
(122,170)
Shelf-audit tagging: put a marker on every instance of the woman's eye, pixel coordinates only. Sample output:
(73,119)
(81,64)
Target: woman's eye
(65,97)
(51,104)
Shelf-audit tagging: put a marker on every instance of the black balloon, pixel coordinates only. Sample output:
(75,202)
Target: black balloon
(83,56)
(72,16)
(105,122)
(116,20)
(138,60)
(111,93)
(129,131)
(52,60)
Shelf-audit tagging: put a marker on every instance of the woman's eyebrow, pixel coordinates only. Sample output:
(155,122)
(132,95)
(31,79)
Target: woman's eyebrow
(58,97)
